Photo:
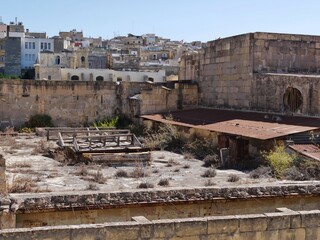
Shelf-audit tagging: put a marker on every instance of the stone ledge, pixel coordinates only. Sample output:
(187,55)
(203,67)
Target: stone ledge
(98,199)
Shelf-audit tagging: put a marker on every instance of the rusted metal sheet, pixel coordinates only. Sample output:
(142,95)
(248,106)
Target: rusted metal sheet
(309,150)
(247,124)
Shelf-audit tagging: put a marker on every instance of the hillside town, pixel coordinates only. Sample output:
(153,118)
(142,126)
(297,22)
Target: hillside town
(34,55)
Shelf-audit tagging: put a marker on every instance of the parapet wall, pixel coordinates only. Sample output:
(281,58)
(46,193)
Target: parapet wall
(284,224)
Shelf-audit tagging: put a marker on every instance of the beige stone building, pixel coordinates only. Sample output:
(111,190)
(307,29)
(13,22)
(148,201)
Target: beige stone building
(266,72)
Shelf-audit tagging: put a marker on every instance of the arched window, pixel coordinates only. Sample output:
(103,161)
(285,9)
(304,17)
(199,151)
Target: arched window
(99,78)
(57,60)
(83,59)
(292,99)
(75,77)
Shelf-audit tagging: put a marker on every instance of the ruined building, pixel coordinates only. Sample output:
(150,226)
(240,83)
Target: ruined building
(266,72)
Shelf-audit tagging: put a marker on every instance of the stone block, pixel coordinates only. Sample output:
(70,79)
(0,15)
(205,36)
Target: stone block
(268,235)
(277,221)
(163,228)
(312,233)
(224,236)
(223,224)
(252,222)
(87,232)
(191,226)
(292,234)
(310,218)
(125,230)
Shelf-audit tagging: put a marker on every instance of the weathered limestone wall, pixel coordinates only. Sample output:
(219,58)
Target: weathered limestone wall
(226,73)
(283,224)
(286,53)
(268,91)
(72,103)
(35,210)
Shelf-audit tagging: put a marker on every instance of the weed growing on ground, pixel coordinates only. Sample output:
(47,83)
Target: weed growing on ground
(233,178)
(209,173)
(163,182)
(145,185)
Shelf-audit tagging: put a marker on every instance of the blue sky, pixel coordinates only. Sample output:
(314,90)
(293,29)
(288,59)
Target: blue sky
(186,20)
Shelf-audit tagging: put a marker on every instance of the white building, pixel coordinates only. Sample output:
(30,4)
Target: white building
(31,47)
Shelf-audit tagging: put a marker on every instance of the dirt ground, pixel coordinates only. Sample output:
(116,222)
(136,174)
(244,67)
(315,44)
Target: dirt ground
(29,170)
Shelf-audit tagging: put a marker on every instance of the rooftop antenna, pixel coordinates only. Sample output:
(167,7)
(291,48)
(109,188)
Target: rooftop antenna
(1,20)
(16,20)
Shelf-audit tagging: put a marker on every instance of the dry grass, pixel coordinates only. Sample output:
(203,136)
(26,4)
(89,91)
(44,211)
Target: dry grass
(22,185)
(121,174)
(145,185)
(82,171)
(186,166)
(233,178)
(209,182)
(41,148)
(98,177)
(92,186)
(163,182)
(138,172)
(188,156)
(209,173)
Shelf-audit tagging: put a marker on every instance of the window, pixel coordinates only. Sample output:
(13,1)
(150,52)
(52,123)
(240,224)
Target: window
(34,45)
(33,57)
(99,78)
(30,43)
(26,45)
(57,60)
(49,46)
(26,57)
(45,46)
(75,77)
(83,59)
(49,77)
(41,45)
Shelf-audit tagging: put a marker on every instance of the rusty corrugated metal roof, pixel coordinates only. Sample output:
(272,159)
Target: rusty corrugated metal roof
(248,124)
(309,150)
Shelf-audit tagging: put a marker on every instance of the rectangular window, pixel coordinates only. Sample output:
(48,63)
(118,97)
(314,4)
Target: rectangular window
(33,57)
(29,57)
(30,45)
(26,45)
(49,46)
(42,45)
(26,57)
(45,46)
(34,45)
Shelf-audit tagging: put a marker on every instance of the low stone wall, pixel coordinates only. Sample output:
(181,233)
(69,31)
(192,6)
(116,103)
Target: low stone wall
(97,200)
(284,224)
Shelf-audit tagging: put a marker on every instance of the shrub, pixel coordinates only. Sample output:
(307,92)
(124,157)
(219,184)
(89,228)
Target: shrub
(188,156)
(98,177)
(295,174)
(209,173)
(163,182)
(145,185)
(262,171)
(279,160)
(25,130)
(210,160)
(39,120)
(121,173)
(167,137)
(233,178)
(199,147)
(92,186)
(106,122)
(138,172)
(186,166)
(209,182)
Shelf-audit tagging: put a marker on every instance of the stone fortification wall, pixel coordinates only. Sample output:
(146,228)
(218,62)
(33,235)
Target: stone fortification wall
(226,72)
(283,224)
(72,103)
